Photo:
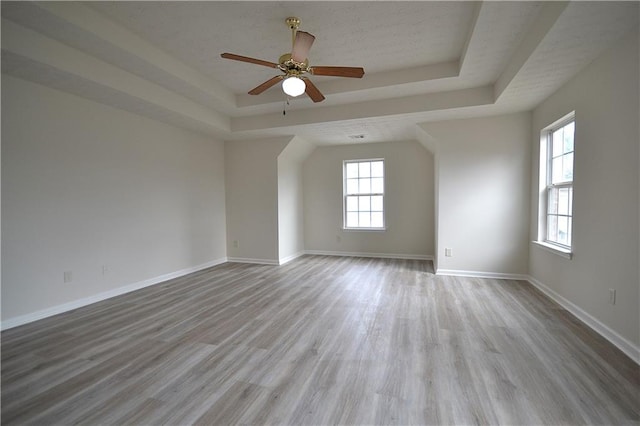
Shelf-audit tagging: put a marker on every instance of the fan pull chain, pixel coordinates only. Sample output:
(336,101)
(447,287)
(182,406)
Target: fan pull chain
(286,102)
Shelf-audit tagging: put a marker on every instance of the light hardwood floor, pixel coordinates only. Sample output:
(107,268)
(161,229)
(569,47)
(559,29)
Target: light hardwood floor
(320,340)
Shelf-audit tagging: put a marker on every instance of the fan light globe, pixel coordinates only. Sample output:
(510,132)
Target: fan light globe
(293,86)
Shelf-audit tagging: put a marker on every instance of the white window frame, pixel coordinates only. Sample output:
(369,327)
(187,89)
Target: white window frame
(345,194)
(547,187)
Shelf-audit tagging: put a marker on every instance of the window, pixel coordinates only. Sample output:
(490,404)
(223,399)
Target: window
(363,194)
(556,168)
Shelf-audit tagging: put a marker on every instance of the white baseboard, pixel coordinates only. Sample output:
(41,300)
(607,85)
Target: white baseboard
(478,274)
(250,260)
(265,261)
(290,258)
(629,348)
(375,255)
(75,304)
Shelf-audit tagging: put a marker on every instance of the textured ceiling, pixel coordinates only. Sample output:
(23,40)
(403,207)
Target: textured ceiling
(384,35)
(424,61)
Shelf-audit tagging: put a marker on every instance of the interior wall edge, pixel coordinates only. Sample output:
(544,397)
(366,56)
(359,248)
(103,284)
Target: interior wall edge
(288,259)
(79,303)
(254,261)
(626,346)
(373,255)
(481,274)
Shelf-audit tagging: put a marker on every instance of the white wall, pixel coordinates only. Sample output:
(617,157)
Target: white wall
(605,99)
(252,198)
(483,184)
(408,200)
(290,199)
(86,185)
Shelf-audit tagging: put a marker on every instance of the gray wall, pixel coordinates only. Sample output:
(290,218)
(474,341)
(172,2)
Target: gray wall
(290,199)
(252,199)
(86,186)
(605,237)
(483,203)
(408,200)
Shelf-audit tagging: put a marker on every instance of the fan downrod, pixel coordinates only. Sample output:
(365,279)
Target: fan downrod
(285,63)
(293,23)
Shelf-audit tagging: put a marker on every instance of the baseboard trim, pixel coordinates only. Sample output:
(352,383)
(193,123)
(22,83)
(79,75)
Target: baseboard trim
(290,258)
(374,255)
(479,274)
(629,348)
(255,261)
(75,304)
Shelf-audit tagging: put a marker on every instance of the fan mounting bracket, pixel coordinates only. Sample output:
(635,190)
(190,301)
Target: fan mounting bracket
(292,22)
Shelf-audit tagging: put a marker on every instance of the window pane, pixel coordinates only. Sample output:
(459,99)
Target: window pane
(377,169)
(556,170)
(364,219)
(557,142)
(352,204)
(377,185)
(552,201)
(364,169)
(568,137)
(376,220)
(365,186)
(567,167)
(376,203)
(560,174)
(563,230)
(361,179)
(352,186)
(552,227)
(352,219)
(563,201)
(352,170)
(570,201)
(365,203)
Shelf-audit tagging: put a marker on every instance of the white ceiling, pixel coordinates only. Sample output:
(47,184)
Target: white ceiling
(424,61)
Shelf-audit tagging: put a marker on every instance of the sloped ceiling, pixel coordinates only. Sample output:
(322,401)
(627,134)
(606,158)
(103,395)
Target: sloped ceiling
(424,61)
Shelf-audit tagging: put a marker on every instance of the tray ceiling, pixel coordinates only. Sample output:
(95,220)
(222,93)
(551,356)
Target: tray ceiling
(424,61)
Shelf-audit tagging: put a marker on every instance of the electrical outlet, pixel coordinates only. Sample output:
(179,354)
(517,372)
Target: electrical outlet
(236,244)
(68,276)
(447,252)
(612,296)
(105,269)
(338,238)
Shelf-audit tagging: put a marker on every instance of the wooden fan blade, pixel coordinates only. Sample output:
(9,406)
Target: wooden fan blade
(301,46)
(264,86)
(249,60)
(312,91)
(353,72)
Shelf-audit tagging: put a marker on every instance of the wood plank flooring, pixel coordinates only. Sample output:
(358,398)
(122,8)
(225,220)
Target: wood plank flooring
(320,340)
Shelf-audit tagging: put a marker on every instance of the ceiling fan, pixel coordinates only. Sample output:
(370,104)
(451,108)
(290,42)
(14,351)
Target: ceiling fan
(295,65)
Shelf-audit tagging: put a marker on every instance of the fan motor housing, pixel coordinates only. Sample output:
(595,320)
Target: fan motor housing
(290,66)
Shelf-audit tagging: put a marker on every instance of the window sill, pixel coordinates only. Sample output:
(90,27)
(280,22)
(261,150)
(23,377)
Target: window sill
(364,229)
(567,254)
